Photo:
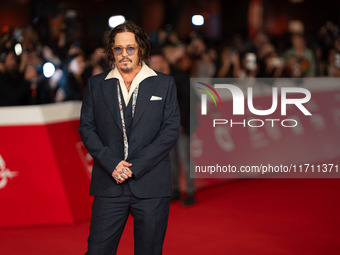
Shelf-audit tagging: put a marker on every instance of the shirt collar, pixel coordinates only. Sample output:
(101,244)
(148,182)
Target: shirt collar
(144,73)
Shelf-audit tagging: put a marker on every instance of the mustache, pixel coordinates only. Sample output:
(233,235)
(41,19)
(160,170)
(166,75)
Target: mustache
(125,58)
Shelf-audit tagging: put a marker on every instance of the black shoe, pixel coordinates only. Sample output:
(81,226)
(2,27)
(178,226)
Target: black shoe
(176,196)
(190,200)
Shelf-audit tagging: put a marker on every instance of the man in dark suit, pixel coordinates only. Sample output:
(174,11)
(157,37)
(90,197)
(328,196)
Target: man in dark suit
(129,122)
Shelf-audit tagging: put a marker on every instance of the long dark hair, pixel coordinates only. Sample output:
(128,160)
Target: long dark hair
(141,37)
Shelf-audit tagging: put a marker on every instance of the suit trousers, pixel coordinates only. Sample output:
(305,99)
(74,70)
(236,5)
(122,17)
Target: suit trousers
(109,216)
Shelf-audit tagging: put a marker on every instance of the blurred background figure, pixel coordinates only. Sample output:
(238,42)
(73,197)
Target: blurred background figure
(270,64)
(249,66)
(206,67)
(173,54)
(334,59)
(41,92)
(180,154)
(299,59)
(71,85)
(229,64)
(14,89)
(97,64)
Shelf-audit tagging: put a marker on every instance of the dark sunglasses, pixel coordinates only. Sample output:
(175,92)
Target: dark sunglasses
(119,50)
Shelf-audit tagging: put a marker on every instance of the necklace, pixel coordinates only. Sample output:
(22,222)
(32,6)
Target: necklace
(128,85)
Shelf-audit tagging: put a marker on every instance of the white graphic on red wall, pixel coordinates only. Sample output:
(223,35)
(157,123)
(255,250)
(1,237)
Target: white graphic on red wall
(5,173)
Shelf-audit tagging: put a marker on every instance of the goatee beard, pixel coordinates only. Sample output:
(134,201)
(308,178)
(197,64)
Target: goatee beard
(126,69)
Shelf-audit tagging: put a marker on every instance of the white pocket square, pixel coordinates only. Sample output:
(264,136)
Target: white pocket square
(155,98)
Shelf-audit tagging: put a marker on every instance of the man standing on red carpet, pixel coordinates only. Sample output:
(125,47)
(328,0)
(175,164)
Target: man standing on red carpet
(129,122)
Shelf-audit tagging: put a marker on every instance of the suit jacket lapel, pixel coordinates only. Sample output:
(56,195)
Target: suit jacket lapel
(109,88)
(145,91)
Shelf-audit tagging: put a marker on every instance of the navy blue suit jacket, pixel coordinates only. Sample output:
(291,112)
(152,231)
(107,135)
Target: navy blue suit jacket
(155,130)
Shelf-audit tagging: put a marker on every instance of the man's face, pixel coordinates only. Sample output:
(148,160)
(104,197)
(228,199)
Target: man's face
(124,61)
(298,42)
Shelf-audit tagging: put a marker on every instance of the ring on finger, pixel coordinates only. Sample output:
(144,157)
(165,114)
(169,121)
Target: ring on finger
(125,170)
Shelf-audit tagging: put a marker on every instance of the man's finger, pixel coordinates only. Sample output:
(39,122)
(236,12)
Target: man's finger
(127,171)
(119,182)
(126,163)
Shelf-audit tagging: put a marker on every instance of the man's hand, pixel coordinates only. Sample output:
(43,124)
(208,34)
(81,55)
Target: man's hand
(122,172)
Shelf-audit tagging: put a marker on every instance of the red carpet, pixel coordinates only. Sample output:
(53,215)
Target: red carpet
(243,217)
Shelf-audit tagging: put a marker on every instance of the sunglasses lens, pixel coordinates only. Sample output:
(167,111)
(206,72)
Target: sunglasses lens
(118,50)
(130,50)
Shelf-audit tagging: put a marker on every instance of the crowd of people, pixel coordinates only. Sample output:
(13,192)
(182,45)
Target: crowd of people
(22,76)
(22,55)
